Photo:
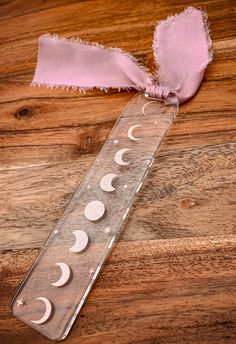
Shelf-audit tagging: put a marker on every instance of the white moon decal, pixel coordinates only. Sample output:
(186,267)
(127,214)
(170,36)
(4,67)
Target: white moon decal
(130,133)
(106,182)
(47,313)
(81,241)
(118,156)
(65,275)
(144,107)
(94,210)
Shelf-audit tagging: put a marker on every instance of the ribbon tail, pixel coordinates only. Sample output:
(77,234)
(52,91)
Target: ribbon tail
(80,65)
(182,49)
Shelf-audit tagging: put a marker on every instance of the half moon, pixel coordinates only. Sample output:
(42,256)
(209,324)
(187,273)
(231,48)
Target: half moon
(81,241)
(47,313)
(118,157)
(130,133)
(65,275)
(106,182)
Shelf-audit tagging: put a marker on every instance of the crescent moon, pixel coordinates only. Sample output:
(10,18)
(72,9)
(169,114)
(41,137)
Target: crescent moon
(65,275)
(130,133)
(81,241)
(118,156)
(144,107)
(106,182)
(47,313)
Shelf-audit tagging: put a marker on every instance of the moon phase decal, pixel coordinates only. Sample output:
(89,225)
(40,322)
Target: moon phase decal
(47,313)
(118,157)
(81,241)
(106,182)
(94,210)
(130,133)
(65,275)
(145,105)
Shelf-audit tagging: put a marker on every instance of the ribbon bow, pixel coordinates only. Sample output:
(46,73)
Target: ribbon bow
(182,50)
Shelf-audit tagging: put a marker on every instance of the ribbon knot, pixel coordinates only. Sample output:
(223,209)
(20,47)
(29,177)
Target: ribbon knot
(181,49)
(159,92)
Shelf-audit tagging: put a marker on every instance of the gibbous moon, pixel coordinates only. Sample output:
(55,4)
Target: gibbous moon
(94,210)
(81,241)
(130,133)
(118,157)
(106,182)
(65,275)
(47,313)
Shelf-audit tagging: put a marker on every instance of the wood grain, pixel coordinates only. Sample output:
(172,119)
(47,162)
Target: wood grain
(171,277)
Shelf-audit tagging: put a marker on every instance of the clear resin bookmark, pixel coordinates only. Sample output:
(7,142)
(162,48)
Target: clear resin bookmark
(61,278)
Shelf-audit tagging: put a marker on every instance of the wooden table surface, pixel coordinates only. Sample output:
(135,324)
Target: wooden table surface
(171,277)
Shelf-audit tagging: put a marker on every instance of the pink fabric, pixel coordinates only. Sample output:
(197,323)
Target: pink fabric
(181,48)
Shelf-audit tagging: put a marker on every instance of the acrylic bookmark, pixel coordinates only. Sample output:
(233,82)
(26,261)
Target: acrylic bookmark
(57,285)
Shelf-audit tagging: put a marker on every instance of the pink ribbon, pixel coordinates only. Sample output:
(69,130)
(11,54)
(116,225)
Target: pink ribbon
(182,50)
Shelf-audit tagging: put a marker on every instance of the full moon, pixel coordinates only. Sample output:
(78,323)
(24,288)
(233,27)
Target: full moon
(94,210)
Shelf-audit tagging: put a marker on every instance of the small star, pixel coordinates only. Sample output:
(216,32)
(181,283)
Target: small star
(56,231)
(107,229)
(125,186)
(116,141)
(19,302)
(91,271)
